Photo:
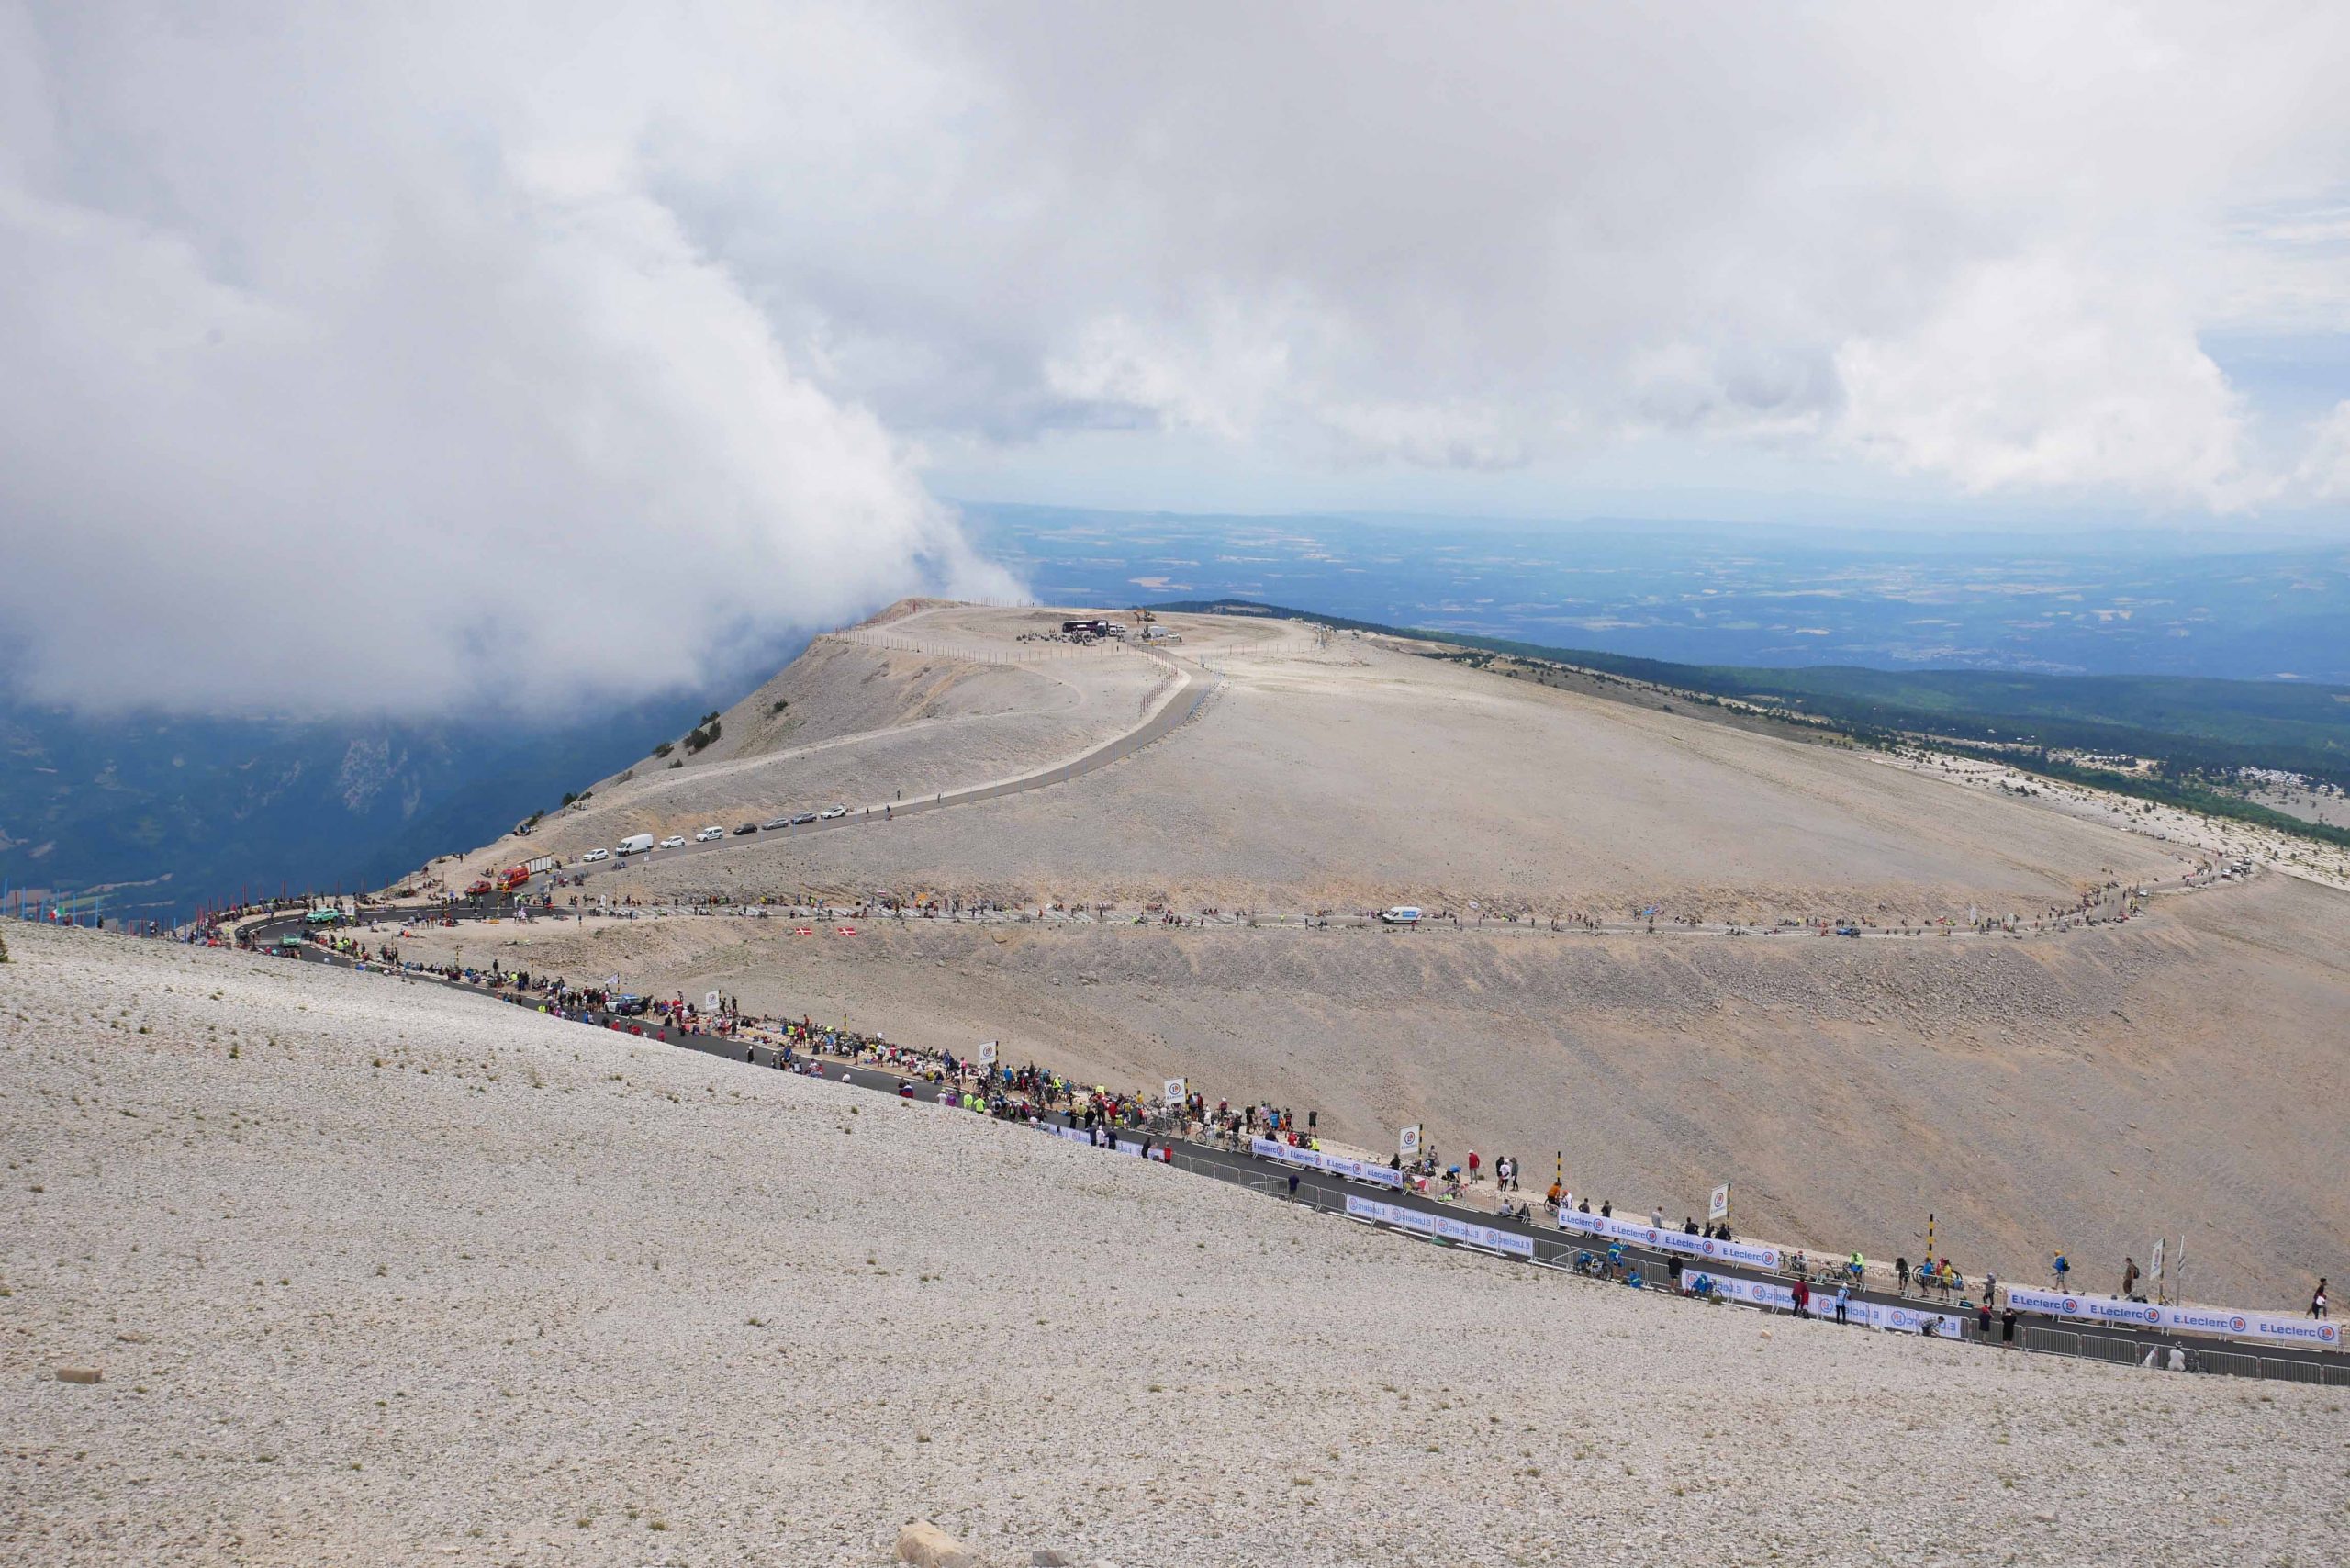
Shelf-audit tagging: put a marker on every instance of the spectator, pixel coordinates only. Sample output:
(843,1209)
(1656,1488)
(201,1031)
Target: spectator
(1843,1300)
(2317,1299)
(2058,1270)
(2128,1278)
(1901,1273)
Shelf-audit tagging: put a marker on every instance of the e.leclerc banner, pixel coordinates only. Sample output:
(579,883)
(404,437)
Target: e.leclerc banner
(1445,1226)
(2318,1333)
(1754,1255)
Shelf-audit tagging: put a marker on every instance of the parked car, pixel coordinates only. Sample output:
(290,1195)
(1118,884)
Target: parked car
(779,822)
(675,841)
(598,855)
(706,834)
(829,812)
(803,818)
(746,827)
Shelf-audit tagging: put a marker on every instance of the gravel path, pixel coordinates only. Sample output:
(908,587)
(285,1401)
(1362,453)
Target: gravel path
(377,1274)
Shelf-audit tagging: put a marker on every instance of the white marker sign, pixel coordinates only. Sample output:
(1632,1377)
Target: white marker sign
(1718,1206)
(986,1053)
(709,1002)
(1407,1143)
(1175,1092)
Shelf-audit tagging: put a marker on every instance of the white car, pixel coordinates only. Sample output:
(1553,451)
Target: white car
(596,855)
(708,833)
(675,841)
(829,812)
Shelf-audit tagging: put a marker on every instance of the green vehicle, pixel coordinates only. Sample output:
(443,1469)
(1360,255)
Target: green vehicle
(324,917)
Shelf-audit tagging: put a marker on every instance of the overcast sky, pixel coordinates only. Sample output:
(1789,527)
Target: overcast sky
(557,354)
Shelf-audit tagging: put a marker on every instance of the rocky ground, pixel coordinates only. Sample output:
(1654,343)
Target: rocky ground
(375,1273)
(2084,1091)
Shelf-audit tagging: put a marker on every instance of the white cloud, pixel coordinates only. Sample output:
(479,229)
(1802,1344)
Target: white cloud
(453,322)
(394,393)
(2033,375)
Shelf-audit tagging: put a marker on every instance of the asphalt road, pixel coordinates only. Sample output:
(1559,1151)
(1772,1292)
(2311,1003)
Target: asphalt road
(1552,1248)
(1177,710)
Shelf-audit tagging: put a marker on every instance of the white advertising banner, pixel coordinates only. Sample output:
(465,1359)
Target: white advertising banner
(1336,1164)
(1754,1255)
(1445,1226)
(1867,1313)
(1101,1138)
(2268,1328)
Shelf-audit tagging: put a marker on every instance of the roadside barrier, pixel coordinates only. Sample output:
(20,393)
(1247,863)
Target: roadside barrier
(1753,1255)
(1867,1314)
(1331,1164)
(2267,1327)
(1444,1225)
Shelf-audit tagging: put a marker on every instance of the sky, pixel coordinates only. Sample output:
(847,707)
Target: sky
(436,356)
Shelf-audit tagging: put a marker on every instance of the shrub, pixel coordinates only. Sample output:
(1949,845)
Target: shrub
(664,749)
(780,704)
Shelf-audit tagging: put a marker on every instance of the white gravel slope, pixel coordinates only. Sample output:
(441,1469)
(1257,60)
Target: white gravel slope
(412,1278)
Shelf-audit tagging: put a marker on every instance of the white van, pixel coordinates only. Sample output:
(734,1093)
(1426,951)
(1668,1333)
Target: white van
(710,834)
(635,844)
(1401,914)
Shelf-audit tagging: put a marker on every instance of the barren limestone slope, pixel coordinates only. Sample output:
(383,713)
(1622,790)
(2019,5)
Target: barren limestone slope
(852,723)
(1358,774)
(2181,1074)
(379,1274)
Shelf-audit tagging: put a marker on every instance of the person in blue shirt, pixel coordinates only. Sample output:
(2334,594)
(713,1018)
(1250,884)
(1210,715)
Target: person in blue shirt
(2061,1269)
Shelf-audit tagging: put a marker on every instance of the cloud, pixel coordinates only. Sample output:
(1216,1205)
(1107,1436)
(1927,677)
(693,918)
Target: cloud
(397,392)
(416,354)
(2032,375)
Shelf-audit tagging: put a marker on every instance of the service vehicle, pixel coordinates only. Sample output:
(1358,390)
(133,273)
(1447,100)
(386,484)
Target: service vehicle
(512,877)
(829,812)
(675,841)
(706,834)
(635,844)
(481,889)
(598,855)
(1401,914)
(324,917)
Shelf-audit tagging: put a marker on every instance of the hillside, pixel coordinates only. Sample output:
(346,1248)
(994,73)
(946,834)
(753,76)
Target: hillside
(858,723)
(378,1273)
(2193,721)
(2087,1089)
